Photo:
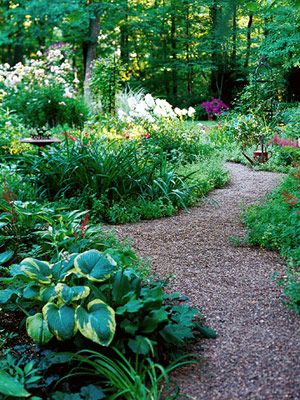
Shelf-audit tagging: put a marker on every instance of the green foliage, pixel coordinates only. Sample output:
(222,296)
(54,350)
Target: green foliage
(142,379)
(47,105)
(105,82)
(11,130)
(17,376)
(11,387)
(246,129)
(106,172)
(33,229)
(276,225)
(64,294)
(181,141)
(89,294)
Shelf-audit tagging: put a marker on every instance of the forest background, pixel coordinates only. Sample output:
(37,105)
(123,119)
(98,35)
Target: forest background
(185,51)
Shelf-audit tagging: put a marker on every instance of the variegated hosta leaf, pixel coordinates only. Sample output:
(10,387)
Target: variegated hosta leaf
(48,293)
(60,320)
(97,323)
(62,269)
(37,329)
(36,270)
(94,265)
(68,293)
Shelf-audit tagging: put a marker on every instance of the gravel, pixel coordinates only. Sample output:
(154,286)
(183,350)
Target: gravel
(257,352)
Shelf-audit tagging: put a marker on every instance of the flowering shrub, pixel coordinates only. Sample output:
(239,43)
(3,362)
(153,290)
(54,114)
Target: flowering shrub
(214,107)
(47,105)
(43,90)
(148,109)
(53,68)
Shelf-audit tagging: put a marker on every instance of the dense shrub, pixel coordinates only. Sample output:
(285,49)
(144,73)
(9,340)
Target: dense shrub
(110,171)
(276,225)
(46,105)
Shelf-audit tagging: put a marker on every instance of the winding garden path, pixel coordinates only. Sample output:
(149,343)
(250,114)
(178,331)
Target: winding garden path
(257,353)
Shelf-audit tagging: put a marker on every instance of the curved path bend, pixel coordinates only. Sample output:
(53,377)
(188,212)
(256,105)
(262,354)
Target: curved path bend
(257,353)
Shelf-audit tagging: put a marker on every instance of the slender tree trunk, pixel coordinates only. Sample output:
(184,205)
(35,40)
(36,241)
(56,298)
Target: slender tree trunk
(234,36)
(216,76)
(248,49)
(90,53)
(124,36)
(174,51)
(187,49)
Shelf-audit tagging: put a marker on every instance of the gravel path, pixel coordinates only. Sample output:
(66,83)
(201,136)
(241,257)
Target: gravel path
(257,353)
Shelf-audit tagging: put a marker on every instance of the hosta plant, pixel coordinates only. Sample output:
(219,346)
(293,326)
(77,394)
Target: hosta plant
(66,297)
(91,296)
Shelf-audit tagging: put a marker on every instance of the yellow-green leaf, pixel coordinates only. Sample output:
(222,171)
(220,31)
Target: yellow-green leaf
(95,265)
(97,323)
(60,320)
(37,329)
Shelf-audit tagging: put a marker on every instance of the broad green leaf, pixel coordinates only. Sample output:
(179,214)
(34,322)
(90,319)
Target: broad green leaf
(48,293)
(154,318)
(153,298)
(97,323)
(9,386)
(176,334)
(6,256)
(92,392)
(32,292)
(37,329)
(68,293)
(94,265)
(206,331)
(36,270)
(134,305)
(125,282)
(61,321)
(62,269)
(6,294)
(129,327)
(140,345)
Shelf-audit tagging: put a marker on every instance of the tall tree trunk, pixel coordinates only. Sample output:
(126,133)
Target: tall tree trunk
(174,50)
(124,36)
(216,73)
(90,53)
(234,35)
(248,49)
(187,49)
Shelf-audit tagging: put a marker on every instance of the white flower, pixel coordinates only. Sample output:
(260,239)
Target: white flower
(121,115)
(140,108)
(39,53)
(132,102)
(149,118)
(68,93)
(149,100)
(178,111)
(191,112)
(184,111)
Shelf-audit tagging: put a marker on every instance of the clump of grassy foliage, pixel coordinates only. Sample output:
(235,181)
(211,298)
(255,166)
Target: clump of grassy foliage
(275,225)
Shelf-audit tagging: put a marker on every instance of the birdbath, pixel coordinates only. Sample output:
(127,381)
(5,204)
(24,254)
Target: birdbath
(40,141)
